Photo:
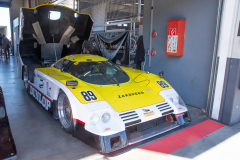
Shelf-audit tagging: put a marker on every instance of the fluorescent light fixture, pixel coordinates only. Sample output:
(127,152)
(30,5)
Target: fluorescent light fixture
(141,4)
(76,15)
(54,15)
(127,4)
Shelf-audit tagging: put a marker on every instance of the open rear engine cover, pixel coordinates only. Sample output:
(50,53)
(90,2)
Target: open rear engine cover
(53,24)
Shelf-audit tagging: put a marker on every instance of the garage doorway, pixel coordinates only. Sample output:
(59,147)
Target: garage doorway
(5,22)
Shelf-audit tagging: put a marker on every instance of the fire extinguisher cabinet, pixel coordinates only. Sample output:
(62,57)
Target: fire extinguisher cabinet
(175,37)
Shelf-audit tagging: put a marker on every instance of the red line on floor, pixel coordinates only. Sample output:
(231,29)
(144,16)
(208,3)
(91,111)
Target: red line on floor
(183,138)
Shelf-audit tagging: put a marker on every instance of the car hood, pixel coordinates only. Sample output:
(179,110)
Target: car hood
(135,93)
(129,96)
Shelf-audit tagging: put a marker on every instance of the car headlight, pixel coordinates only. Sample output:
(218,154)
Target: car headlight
(106,117)
(176,100)
(94,119)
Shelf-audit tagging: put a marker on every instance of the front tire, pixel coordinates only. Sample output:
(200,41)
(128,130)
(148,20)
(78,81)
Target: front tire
(65,112)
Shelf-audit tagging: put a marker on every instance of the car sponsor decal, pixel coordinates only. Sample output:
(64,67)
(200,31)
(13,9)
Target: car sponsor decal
(48,90)
(148,113)
(162,84)
(41,84)
(130,94)
(44,101)
(88,96)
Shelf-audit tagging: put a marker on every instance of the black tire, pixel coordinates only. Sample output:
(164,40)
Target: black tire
(25,78)
(65,112)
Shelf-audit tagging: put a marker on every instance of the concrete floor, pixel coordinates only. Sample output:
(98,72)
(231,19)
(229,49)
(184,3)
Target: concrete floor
(38,136)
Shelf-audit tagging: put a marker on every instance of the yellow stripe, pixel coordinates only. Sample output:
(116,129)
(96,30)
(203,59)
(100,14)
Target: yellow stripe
(55,5)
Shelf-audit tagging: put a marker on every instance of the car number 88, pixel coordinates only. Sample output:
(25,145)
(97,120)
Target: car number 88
(88,96)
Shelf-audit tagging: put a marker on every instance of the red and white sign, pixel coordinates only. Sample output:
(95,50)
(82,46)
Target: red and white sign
(173,31)
(175,37)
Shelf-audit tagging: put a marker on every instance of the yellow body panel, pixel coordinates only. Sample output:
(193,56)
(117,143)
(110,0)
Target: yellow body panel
(55,5)
(140,91)
(84,58)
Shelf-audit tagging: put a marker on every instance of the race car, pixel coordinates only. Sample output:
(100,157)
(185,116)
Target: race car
(103,104)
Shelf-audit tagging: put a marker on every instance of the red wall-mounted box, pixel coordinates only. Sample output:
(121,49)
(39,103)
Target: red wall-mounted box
(175,37)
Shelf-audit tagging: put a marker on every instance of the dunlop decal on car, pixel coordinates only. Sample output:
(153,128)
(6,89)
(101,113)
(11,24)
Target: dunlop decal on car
(162,84)
(88,96)
(44,101)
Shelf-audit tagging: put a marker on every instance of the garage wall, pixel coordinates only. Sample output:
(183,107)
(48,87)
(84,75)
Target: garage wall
(190,74)
(98,15)
(15,8)
(3,30)
(26,3)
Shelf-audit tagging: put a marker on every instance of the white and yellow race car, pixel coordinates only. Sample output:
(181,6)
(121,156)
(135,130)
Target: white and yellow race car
(105,105)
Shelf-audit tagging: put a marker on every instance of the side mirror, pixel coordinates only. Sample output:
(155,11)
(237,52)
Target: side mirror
(161,74)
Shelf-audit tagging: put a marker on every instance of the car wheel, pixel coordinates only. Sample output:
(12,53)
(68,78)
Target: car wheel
(25,79)
(65,112)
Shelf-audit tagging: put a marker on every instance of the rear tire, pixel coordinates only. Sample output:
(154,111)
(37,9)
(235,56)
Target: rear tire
(25,78)
(65,112)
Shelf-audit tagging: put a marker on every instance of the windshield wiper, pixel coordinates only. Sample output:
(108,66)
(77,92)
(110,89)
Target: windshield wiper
(115,79)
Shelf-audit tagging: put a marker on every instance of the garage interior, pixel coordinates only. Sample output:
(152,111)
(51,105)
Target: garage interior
(198,76)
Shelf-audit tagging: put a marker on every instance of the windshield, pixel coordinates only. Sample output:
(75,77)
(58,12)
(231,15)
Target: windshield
(102,72)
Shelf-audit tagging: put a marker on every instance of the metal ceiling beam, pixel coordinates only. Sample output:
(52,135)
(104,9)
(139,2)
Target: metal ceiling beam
(6,1)
(4,4)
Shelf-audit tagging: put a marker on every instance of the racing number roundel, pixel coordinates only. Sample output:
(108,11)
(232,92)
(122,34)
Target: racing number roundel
(88,96)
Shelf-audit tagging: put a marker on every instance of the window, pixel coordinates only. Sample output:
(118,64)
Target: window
(101,73)
(62,64)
